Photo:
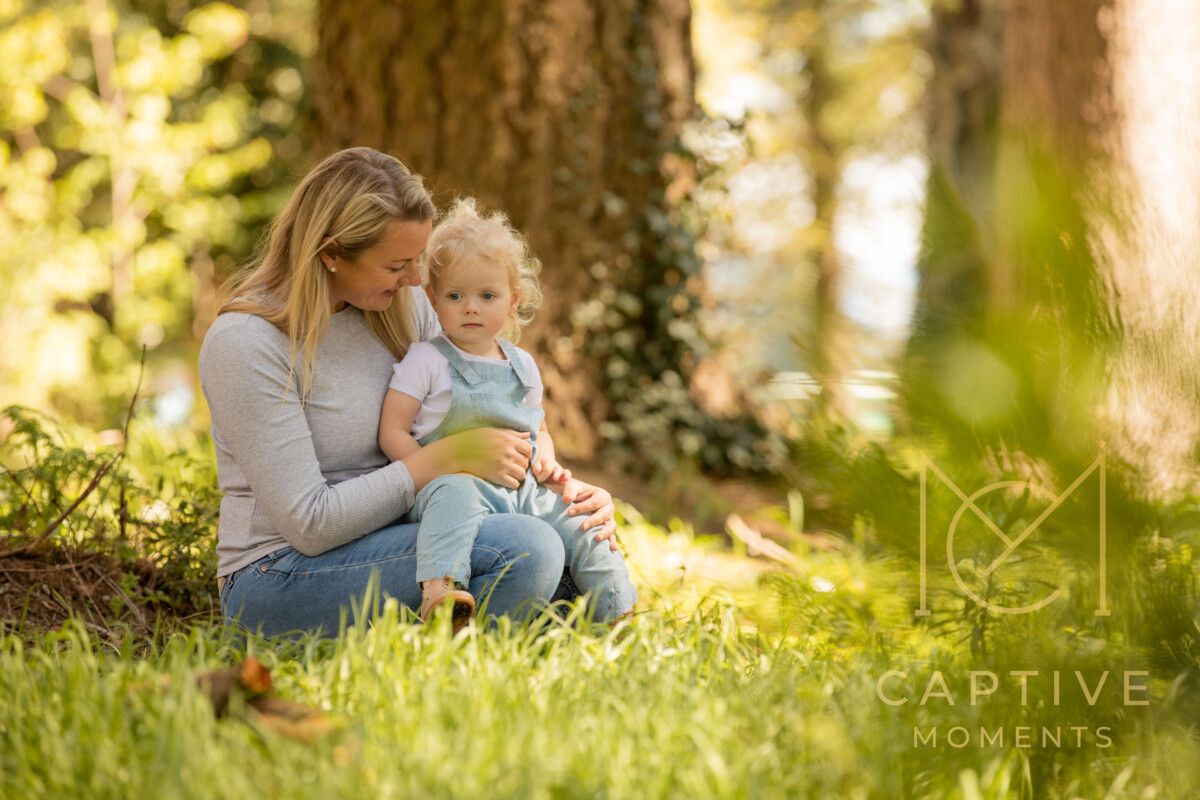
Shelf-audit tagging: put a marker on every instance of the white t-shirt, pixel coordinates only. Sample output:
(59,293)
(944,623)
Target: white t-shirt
(424,374)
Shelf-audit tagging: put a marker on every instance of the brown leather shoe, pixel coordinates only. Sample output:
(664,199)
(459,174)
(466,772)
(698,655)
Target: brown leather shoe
(437,592)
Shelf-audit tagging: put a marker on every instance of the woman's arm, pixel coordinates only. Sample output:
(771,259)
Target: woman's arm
(266,450)
(494,454)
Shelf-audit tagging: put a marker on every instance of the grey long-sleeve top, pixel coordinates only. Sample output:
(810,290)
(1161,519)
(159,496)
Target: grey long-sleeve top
(312,476)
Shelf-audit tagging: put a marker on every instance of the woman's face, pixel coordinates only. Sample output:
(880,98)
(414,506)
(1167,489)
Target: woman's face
(370,281)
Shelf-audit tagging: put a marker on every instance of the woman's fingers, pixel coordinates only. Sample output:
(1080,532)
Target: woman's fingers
(522,450)
(608,531)
(494,454)
(600,518)
(588,499)
(598,505)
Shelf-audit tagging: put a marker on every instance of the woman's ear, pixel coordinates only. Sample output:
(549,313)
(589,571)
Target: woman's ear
(327,258)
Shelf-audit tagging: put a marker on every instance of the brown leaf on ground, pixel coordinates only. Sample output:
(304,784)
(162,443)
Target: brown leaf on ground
(247,679)
(250,681)
(297,721)
(254,676)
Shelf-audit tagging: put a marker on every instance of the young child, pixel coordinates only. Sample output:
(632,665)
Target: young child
(482,281)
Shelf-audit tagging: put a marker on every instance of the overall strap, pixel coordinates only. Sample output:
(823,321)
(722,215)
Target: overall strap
(460,364)
(512,353)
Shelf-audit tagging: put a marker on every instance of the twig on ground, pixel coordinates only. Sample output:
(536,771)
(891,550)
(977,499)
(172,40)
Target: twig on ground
(49,529)
(132,606)
(757,544)
(44,567)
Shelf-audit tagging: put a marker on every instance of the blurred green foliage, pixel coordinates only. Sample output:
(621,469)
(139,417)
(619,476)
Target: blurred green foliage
(153,499)
(141,144)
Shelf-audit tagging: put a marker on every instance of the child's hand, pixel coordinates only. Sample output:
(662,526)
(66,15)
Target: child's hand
(568,487)
(551,473)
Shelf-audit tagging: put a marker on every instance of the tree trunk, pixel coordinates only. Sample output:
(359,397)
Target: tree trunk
(962,109)
(1146,237)
(1081,248)
(561,114)
(829,346)
(1046,318)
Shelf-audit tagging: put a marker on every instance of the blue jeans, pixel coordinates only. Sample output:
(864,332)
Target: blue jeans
(452,507)
(287,592)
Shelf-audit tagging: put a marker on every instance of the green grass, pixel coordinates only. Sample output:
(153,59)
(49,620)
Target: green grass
(660,707)
(739,678)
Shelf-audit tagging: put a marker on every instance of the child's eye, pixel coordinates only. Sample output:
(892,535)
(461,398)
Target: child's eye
(454,296)
(489,296)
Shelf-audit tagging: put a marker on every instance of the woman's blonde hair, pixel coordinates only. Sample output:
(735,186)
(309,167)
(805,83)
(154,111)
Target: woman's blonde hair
(463,234)
(342,208)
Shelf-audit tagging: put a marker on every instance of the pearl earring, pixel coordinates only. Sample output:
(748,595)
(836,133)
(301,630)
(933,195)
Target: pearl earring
(332,269)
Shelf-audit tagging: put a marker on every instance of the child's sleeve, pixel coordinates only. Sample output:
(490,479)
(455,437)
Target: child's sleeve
(534,397)
(415,374)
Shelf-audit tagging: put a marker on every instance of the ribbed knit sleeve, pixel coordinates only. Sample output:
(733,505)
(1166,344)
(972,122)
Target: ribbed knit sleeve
(311,476)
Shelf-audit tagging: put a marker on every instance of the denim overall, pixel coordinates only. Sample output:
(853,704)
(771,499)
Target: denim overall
(451,508)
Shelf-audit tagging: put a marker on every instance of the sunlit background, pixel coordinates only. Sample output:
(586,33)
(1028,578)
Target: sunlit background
(902,228)
(163,180)
(798,252)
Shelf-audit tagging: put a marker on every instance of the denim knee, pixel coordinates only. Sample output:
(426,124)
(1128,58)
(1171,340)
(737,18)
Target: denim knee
(531,548)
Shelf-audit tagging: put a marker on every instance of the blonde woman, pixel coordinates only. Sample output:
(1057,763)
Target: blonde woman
(295,370)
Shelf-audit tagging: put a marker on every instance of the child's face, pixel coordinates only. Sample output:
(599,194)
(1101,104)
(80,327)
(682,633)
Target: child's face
(473,299)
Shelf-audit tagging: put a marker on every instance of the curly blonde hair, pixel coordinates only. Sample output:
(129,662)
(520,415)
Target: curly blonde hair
(466,234)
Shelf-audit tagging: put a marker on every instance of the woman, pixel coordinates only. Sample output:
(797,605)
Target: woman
(295,370)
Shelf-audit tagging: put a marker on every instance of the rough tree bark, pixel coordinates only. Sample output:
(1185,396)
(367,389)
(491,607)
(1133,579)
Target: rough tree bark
(1076,242)
(1146,235)
(562,114)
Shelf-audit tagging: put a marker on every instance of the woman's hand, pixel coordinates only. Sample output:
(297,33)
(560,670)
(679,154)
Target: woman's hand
(498,455)
(597,504)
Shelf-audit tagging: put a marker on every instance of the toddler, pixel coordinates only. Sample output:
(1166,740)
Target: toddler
(482,282)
